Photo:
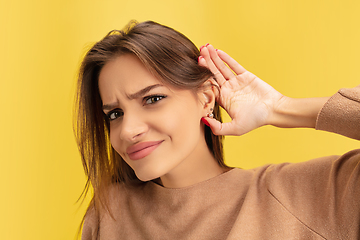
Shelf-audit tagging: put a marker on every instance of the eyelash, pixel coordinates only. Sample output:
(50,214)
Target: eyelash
(115,111)
(153,98)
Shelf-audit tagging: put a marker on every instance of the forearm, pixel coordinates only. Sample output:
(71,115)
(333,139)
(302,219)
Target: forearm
(297,112)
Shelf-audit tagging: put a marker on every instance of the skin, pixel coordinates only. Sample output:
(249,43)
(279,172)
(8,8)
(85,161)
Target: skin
(164,114)
(251,102)
(182,158)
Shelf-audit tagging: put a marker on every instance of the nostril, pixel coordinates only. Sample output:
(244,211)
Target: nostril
(132,129)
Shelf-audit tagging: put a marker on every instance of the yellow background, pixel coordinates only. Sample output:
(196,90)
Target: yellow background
(303,48)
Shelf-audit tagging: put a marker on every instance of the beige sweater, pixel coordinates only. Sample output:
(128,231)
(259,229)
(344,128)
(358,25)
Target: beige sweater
(318,199)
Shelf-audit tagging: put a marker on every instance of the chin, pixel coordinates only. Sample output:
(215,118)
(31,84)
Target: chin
(152,171)
(145,178)
(148,175)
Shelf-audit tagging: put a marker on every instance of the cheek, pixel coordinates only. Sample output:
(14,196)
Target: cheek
(181,122)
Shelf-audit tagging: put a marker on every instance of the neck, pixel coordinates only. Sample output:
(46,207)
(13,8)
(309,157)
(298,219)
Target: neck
(200,166)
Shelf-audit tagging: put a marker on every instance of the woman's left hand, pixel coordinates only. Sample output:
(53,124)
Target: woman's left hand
(248,100)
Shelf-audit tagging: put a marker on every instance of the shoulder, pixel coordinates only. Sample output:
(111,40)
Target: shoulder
(115,198)
(322,193)
(90,223)
(314,173)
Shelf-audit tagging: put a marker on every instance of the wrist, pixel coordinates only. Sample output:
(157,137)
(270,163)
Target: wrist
(296,112)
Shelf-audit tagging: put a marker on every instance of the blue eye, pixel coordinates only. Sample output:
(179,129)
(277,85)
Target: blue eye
(114,114)
(153,99)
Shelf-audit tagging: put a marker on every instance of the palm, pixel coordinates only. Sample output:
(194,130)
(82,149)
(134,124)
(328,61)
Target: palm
(247,99)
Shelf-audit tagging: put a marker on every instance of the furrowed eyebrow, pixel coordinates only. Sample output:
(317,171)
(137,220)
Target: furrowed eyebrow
(108,107)
(142,92)
(132,96)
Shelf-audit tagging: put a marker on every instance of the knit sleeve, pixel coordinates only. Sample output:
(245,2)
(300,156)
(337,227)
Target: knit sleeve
(341,113)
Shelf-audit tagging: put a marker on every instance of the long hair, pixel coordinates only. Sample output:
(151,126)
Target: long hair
(168,55)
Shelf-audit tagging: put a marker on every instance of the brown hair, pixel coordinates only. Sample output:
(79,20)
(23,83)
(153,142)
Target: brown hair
(168,55)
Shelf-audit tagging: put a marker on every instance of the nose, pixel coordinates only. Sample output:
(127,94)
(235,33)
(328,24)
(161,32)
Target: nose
(133,126)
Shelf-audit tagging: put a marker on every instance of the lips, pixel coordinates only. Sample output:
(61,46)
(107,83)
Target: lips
(141,150)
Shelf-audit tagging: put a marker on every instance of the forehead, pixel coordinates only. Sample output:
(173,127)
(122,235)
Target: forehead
(126,75)
(125,72)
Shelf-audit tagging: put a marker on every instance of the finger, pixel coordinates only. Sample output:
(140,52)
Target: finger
(202,62)
(217,74)
(219,63)
(219,128)
(222,129)
(232,63)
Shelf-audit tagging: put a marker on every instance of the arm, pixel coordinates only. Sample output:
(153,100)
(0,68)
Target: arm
(252,103)
(297,112)
(341,113)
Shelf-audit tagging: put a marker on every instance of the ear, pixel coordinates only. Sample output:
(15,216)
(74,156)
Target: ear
(207,94)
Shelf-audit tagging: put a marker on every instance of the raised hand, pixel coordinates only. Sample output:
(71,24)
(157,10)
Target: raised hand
(248,100)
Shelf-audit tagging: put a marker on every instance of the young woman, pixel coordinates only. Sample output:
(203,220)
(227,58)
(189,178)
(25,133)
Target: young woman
(145,97)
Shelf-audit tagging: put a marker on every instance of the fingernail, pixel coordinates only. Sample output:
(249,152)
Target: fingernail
(201,47)
(216,49)
(205,122)
(207,44)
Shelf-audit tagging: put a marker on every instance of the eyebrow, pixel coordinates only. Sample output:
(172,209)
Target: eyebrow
(132,96)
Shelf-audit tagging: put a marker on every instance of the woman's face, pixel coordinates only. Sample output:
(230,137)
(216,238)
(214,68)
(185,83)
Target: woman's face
(156,129)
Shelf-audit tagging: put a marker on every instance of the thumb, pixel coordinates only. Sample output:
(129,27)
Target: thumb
(214,124)
(217,127)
